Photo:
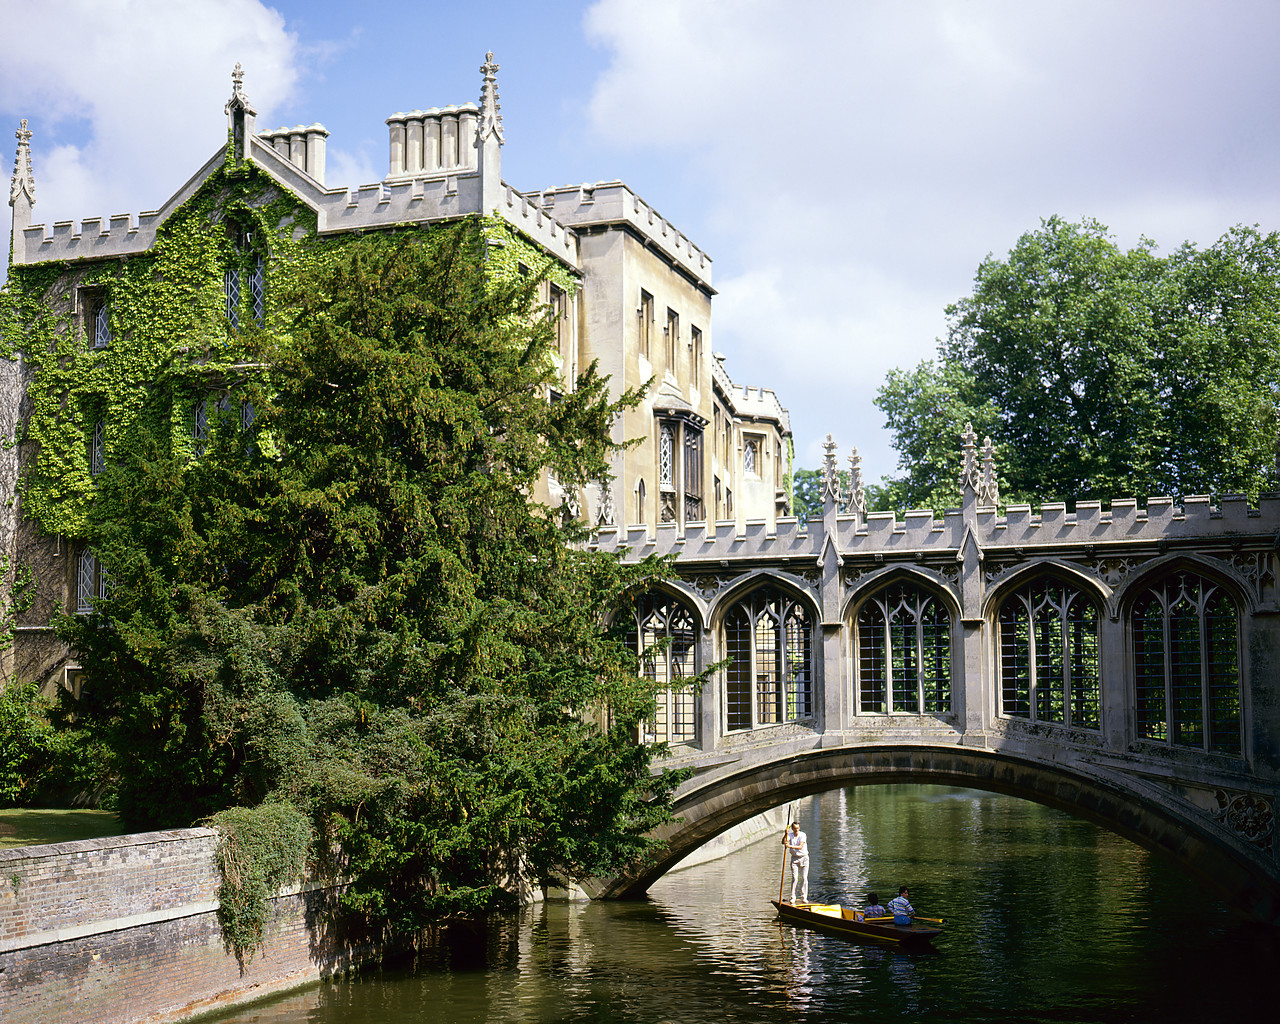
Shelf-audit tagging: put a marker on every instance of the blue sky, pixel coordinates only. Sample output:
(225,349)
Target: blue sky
(846,163)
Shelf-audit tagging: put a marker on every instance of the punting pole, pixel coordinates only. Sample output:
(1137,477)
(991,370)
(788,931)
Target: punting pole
(782,884)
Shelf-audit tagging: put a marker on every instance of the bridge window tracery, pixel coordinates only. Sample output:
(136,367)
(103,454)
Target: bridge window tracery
(768,639)
(1186,664)
(665,637)
(1048,644)
(903,643)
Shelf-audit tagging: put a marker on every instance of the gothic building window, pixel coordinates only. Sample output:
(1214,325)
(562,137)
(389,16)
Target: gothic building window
(672,333)
(1048,644)
(645,313)
(200,425)
(695,348)
(640,513)
(558,301)
(97,448)
(245,280)
(679,472)
(751,456)
(768,641)
(903,643)
(1186,664)
(101,323)
(91,581)
(666,639)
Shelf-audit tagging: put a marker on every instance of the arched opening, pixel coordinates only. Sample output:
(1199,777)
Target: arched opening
(665,637)
(901,655)
(768,642)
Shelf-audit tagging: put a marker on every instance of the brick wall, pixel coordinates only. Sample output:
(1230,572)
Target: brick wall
(124,930)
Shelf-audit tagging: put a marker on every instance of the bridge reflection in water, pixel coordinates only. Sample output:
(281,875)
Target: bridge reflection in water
(1051,918)
(1122,664)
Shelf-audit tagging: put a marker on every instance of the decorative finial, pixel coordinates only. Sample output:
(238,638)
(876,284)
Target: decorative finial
(969,476)
(830,478)
(238,98)
(989,488)
(857,496)
(24,180)
(490,119)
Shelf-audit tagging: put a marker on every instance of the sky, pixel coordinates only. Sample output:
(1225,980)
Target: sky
(847,164)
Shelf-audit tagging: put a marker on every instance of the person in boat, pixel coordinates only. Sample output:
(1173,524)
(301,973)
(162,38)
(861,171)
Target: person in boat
(797,844)
(901,908)
(874,908)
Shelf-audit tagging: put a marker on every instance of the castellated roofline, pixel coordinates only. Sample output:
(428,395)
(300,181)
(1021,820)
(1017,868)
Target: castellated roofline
(749,403)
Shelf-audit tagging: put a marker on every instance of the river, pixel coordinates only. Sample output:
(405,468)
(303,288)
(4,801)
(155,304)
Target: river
(1049,919)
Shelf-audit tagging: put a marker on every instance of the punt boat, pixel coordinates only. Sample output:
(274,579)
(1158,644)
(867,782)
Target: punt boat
(852,924)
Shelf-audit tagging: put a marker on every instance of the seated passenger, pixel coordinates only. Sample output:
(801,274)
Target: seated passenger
(874,909)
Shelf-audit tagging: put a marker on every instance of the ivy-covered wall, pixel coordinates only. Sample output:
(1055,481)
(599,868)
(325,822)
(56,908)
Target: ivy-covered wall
(169,331)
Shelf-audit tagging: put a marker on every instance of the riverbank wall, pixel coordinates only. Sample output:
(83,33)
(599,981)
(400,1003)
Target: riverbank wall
(124,930)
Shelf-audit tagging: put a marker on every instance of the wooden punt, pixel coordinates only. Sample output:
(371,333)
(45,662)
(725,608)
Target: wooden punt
(851,924)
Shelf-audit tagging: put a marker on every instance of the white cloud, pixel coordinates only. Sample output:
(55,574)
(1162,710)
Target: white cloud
(125,97)
(861,158)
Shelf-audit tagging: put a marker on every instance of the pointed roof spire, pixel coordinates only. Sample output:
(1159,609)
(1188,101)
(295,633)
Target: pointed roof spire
(490,119)
(24,181)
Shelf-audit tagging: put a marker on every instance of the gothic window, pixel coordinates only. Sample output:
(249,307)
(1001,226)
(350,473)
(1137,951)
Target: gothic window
(768,638)
(231,289)
(640,502)
(645,313)
(558,300)
(1186,664)
(200,425)
(665,638)
(672,333)
(101,324)
(91,582)
(244,280)
(97,448)
(680,472)
(903,640)
(751,457)
(1048,644)
(695,347)
(247,414)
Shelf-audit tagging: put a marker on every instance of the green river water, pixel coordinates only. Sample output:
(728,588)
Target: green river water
(1049,919)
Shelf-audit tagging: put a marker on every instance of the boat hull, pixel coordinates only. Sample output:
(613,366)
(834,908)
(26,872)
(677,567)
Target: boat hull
(842,921)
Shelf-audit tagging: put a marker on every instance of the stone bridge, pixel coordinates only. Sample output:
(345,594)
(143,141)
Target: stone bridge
(1120,663)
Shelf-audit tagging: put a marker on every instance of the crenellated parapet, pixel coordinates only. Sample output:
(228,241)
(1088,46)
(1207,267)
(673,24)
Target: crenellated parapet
(613,204)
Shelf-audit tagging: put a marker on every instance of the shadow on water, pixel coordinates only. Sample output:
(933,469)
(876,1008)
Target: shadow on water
(1050,919)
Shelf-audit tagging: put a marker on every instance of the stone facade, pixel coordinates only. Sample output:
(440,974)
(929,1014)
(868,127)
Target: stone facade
(640,305)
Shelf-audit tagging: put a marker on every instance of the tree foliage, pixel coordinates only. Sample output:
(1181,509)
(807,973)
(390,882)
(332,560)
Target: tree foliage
(352,604)
(1099,372)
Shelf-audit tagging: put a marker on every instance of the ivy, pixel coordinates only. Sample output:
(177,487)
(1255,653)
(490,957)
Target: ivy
(261,850)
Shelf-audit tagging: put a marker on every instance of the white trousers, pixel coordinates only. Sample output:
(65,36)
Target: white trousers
(800,878)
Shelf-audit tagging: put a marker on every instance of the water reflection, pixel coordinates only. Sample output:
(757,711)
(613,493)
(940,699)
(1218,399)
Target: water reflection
(1049,919)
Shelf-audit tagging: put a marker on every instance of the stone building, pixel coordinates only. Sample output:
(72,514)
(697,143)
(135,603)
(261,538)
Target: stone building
(626,288)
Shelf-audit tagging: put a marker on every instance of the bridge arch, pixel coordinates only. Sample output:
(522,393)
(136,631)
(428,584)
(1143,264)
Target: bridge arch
(1221,861)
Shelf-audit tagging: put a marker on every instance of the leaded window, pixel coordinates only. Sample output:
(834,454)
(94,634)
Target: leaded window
(1186,664)
(91,582)
(666,639)
(751,457)
(1049,654)
(903,638)
(200,425)
(101,324)
(97,448)
(231,289)
(768,638)
(257,290)
(666,456)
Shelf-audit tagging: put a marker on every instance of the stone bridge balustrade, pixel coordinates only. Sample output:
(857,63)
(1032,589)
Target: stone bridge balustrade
(1153,705)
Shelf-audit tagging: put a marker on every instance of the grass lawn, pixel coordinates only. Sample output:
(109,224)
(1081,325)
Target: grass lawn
(24,827)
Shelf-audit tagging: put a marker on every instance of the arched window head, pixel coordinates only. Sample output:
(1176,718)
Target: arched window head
(1186,651)
(1048,644)
(665,637)
(903,661)
(768,641)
